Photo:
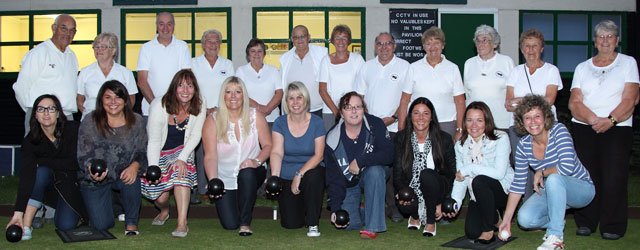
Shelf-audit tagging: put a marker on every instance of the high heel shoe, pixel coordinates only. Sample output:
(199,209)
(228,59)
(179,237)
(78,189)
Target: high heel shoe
(413,226)
(486,242)
(426,233)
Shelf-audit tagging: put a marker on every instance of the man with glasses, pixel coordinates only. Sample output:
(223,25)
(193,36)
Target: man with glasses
(302,63)
(160,59)
(51,67)
(380,80)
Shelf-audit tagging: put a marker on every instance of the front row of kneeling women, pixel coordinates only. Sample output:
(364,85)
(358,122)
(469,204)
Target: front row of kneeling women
(358,154)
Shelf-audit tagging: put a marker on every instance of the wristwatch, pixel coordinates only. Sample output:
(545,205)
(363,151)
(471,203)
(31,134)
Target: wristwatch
(613,120)
(258,161)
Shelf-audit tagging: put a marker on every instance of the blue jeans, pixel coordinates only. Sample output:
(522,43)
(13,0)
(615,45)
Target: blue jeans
(373,181)
(97,200)
(547,209)
(65,217)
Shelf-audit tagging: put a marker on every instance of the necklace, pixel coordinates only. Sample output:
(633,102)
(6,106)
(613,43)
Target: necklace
(186,125)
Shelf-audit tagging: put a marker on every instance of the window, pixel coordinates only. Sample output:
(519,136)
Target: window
(274,25)
(21,31)
(569,35)
(138,27)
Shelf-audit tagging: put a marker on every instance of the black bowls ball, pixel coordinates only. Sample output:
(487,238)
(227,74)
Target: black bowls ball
(14,233)
(406,194)
(98,166)
(449,205)
(273,187)
(342,217)
(216,187)
(153,173)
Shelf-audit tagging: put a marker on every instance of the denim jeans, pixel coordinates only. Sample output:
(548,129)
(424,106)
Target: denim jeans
(65,216)
(373,181)
(97,200)
(547,209)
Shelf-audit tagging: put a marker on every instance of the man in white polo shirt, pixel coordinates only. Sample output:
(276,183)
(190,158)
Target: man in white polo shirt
(302,63)
(380,80)
(160,59)
(210,70)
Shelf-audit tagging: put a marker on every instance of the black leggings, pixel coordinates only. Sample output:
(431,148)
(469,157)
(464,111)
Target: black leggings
(235,208)
(434,187)
(482,215)
(304,208)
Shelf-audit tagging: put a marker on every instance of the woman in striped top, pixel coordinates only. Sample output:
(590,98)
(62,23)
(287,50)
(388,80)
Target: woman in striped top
(560,180)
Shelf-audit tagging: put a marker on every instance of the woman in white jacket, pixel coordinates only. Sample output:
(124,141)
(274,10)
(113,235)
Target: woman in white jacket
(482,159)
(174,129)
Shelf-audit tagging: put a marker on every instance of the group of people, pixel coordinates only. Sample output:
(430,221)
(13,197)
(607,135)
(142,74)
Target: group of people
(347,125)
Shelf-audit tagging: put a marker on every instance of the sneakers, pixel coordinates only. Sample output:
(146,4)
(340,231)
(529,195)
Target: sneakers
(27,233)
(313,231)
(551,242)
(121,217)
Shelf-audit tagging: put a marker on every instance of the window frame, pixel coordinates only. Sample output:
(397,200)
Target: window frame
(622,46)
(363,34)
(32,43)
(195,38)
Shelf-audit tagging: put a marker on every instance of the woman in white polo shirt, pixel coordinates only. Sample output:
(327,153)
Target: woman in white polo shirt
(91,78)
(485,75)
(437,79)
(338,72)
(263,81)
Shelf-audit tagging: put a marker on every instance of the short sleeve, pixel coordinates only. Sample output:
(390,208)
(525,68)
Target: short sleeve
(361,85)
(324,70)
(577,76)
(279,125)
(513,77)
(130,82)
(80,82)
(554,77)
(277,81)
(185,61)
(407,86)
(632,73)
(458,88)
(144,61)
(318,126)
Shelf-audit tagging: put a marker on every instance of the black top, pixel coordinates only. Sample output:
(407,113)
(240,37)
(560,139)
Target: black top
(175,137)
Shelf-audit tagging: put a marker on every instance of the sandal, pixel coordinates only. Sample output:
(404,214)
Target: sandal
(159,222)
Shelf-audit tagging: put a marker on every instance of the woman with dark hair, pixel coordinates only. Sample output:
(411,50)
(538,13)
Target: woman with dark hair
(425,162)
(116,135)
(174,130)
(357,156)
(48,161)
(338,72)
(298,146)
(263,82)
(482,160)
(237,142)
(560,180)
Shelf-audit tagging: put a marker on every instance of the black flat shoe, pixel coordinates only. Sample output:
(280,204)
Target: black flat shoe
(485,242)
(583,231)
(611,236)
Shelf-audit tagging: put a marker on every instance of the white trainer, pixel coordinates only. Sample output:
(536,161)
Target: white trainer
(121,217)
(27,233)
(313,231)
(551,242)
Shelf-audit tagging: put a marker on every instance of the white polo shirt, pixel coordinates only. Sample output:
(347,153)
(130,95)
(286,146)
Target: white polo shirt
(47,70)
(602,87)
(305,70)
(261,85)
(546,75)
(487,81)
(340,78)
(209,78)
(381,86)
(162,62)
(439,84)
(91,79)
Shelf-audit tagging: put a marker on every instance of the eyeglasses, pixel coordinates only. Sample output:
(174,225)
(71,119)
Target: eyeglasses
(66,30)
(385,44)
(607,36)
(350,108)
(51,109)
(482,41)
(101,47)
(299,37)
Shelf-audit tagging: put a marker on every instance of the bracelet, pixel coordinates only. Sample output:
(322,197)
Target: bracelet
(613,120)
(299,174)
(258,161)
(394,117)
(459,130)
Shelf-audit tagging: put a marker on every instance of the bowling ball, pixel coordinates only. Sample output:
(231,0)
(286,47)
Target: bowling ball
(449,205)
(98,166)
(14,233)
(273,187)
(216,187)
(406,194)
(153,173)
(342,217)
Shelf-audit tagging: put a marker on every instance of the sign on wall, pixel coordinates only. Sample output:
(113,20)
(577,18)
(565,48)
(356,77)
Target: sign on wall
(154,2)
(407,26)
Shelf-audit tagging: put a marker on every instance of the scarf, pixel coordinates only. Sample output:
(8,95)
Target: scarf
(419,164)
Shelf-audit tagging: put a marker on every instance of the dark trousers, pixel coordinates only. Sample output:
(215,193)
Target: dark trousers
(65,217)
(305,207)
(606,156)
(390,195)
(481,214)
(235,208)
(97,200)
(434,187)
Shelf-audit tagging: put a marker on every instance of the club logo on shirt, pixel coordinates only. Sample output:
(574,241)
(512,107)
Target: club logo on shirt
(52,65)
(223,72)
(394,77)
(499,74)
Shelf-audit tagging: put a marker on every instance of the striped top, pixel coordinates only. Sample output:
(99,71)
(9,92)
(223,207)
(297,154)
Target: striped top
(559,153)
